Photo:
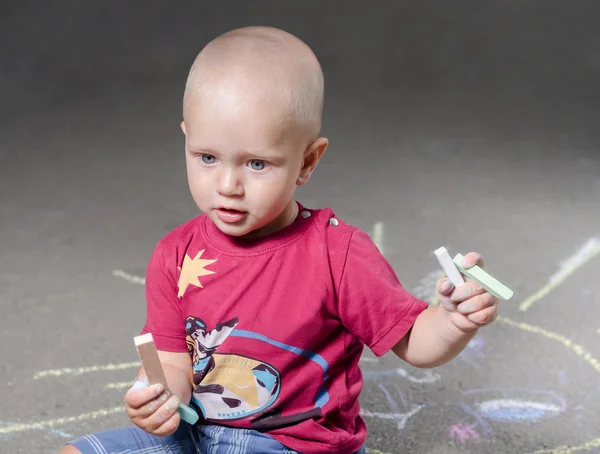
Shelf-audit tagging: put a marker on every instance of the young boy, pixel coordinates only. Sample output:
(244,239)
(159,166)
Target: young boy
(260,307)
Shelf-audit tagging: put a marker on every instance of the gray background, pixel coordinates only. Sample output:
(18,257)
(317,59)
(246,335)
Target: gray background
(468,124)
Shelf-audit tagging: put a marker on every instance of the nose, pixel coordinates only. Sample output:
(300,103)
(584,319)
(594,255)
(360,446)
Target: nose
(230,182)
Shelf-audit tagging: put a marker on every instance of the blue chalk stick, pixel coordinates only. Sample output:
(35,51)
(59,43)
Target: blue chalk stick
(187,414)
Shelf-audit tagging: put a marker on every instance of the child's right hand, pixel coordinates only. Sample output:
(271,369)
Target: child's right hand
(152,408)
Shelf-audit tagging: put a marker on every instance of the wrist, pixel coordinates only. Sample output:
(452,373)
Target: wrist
(450,331)
(179,382)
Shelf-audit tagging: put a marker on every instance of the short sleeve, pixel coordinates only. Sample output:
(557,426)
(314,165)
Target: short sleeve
(164,316)
(372,303)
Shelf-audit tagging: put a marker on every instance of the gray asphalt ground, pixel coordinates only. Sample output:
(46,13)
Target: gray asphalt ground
(468,124)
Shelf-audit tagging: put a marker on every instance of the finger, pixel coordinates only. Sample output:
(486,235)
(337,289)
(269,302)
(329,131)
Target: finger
(477,303)
(484,316)
(137,397)
(472,259)
(444,286)
(447,303)
(151,407)
(463,323)
(466,291)
(169,426)
(162,414)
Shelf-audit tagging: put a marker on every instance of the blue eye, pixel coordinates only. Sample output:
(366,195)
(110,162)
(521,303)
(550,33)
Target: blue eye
(257,164)
(208,159)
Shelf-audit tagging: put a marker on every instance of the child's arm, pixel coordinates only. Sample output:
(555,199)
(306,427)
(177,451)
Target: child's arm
(178,371)
(432,341)
(440,333)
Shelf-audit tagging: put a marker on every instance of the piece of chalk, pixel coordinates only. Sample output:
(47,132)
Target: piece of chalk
(150,360)
(154,371)
(448,266)
(483,278)
(188,414)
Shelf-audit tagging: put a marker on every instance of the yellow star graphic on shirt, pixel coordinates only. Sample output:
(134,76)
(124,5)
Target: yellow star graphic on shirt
(191,270)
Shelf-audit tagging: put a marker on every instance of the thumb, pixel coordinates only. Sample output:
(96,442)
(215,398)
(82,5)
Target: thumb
(141,382)
(444,286)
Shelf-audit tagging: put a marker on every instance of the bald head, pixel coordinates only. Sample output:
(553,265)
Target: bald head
(265,67)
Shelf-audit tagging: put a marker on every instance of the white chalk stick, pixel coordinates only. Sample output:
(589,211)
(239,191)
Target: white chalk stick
(449,267)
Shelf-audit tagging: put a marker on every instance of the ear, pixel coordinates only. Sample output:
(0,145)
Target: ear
(312,155)
(183,127)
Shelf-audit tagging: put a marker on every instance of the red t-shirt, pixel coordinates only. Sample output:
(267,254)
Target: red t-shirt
(276,325)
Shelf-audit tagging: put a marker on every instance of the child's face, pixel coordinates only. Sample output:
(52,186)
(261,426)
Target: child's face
(242,167)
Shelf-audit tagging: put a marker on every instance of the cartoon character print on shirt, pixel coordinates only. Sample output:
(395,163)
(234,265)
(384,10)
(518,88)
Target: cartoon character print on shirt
(227,386)
(202,344)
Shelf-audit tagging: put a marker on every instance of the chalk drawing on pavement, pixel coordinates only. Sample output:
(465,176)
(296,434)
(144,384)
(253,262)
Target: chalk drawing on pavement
(427,375)
(583,255)
(74,371)
(60,422)
(129,277)
(510,410)
(426,290)
(473,353)
(377,236)
(462,432)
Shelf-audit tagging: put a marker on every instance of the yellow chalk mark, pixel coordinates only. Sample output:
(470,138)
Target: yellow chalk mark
(570,449)
(60,421)
(434,299)
(129,277)
(598,330)
(119,385)
(378,235)
(574,347)
(84,370)
(559,278)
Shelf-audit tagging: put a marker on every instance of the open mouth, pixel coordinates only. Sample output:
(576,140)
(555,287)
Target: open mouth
(229,210)
(230,215)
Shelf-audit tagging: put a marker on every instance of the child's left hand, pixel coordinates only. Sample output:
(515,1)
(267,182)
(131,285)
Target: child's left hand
(469,306)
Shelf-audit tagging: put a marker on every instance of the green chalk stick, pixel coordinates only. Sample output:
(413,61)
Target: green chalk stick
(483,278)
